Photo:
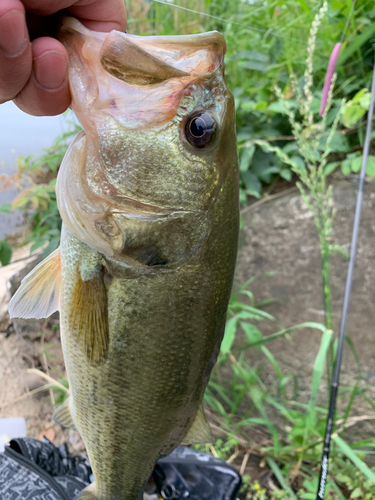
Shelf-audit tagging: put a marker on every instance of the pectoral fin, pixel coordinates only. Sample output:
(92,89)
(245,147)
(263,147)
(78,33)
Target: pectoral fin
(39,293)
(199,432)
(63,416)
(88,316)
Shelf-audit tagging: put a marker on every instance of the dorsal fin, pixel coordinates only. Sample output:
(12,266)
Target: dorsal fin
(39,293)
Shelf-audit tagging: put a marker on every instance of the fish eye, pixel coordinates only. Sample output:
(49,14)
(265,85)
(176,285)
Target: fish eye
(200,129)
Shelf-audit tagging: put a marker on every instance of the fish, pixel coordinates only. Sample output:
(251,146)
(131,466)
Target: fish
(148,196)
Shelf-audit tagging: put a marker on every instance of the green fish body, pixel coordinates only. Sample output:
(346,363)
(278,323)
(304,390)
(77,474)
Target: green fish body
(148,194)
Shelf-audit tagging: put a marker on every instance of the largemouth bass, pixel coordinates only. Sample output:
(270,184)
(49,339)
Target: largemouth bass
(148,195)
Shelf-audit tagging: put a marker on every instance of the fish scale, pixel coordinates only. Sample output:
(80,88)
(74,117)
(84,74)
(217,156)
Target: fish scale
(167,371)
(144,272)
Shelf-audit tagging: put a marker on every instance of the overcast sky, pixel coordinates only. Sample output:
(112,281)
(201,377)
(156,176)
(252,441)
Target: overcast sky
(22,134)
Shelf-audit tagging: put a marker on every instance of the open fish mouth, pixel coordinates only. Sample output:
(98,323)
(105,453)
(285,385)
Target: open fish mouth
(119,68)
(137,175)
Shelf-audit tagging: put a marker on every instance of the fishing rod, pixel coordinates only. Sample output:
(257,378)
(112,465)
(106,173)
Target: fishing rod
(345,307)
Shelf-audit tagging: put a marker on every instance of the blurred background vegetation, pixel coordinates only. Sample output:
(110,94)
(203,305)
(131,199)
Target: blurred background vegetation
(267,42)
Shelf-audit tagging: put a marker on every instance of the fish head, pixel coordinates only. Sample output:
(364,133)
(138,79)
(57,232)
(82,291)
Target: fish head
(158,141)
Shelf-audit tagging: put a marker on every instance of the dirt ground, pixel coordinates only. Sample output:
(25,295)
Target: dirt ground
(23,392)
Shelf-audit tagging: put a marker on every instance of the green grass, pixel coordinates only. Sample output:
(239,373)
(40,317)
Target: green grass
(239,403)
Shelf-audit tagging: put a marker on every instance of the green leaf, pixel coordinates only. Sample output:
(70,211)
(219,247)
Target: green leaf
(330,167)
(280,477)
(251,54)
(283,106)
(337,490)
(38,242)
(308,496)
(252,183)
(347,450)
(5,252)
(356,44)
(304,5)
(339,250)
(370,167)
(6,208)
(252,333)
(365,100)
(248,105)
(229,335)
(319,365)
(271,358)
(285,332)
(357,492)
(351,114)
(339,143)
(52,245)
(286,174)
(278,107)
(265,174)
(247,315)
(254,65)
(290,147)
(298,164)
(346,166)
(362,97)
(356,164)
(246,157)
(258,313)
(250,421)
(261,106)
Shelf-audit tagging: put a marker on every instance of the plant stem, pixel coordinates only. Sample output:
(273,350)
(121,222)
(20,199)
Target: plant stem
(327,295)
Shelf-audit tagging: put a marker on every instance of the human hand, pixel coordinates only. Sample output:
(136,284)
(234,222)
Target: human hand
(35,73)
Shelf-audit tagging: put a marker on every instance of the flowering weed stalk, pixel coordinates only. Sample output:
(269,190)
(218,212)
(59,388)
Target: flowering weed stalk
(313,142)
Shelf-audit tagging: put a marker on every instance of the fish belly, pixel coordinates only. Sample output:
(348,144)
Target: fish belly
(165,330)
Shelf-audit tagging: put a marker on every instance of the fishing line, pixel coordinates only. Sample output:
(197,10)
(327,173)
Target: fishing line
(257,30)
(345,307)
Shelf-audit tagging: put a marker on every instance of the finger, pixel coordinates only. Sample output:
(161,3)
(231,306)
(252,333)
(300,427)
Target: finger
(15,49)
(101,16)
(47,91)
(97,15)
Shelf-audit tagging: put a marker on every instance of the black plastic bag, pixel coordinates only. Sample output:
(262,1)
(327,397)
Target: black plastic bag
(193,475)
(38,470)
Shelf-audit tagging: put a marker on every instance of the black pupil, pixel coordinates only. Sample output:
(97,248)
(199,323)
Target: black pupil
(197,127)
(200,129)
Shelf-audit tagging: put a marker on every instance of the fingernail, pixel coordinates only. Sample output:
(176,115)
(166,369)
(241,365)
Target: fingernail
(13,33)
(50,69)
